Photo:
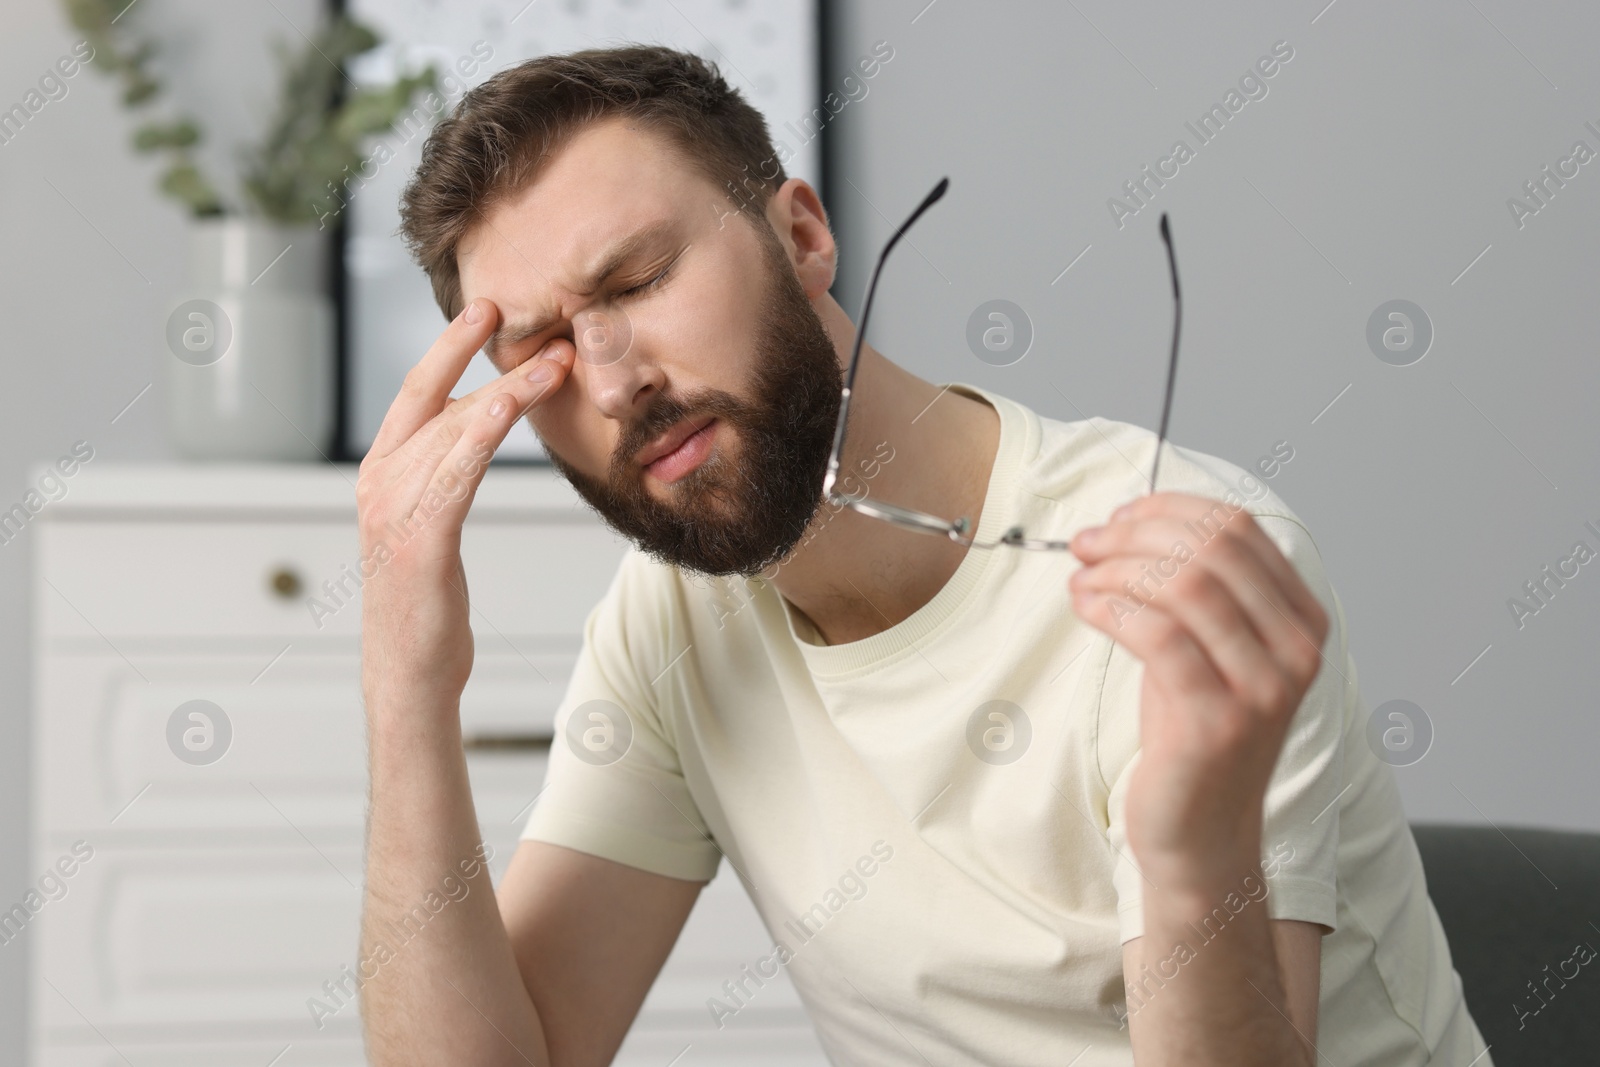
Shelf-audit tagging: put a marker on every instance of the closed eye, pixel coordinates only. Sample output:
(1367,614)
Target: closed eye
(647,285)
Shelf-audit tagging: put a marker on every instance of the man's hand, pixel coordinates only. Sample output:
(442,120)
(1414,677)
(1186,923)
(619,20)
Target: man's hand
(1230,638)
(454,992)
(415,487)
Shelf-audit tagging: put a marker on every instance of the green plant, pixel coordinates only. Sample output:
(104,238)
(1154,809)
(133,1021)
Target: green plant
(312,143)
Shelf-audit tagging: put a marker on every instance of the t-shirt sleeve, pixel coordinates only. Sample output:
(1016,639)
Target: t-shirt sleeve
(614,786)
(1300,828)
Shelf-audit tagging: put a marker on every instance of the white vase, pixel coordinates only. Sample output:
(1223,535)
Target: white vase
(250,347)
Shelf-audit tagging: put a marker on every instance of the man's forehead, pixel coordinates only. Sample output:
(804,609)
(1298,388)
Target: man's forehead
(557,248)
(607,183)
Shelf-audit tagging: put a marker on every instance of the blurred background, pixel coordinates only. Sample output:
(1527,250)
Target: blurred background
(1386,220)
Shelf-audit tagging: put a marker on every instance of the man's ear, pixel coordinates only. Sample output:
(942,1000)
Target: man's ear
(801,223)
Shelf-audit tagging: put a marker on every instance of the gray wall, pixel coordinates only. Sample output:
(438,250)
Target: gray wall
(1377,167)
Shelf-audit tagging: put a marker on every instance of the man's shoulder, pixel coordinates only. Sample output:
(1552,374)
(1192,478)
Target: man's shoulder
(640,610)
(1088,460)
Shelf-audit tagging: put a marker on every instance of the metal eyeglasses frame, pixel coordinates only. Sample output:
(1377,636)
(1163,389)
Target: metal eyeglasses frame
(960,530)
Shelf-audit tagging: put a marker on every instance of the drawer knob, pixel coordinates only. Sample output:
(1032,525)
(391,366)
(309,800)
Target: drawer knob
(285,582)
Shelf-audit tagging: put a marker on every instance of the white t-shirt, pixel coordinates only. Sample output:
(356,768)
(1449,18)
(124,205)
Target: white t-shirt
(930,820)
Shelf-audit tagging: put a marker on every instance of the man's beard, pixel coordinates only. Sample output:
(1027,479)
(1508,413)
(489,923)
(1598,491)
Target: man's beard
(736,513)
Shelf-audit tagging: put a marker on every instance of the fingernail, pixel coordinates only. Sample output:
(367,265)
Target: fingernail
(498,406)
(474,313)
(1088,537)
(1122,512)
(542,371)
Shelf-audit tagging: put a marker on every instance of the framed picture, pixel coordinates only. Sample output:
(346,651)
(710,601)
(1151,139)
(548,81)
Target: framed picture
(769,49)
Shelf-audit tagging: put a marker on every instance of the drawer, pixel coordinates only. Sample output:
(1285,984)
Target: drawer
(203,1053)
(293,580)
(293,751)
(767,1047)
(174,945)
(175,954)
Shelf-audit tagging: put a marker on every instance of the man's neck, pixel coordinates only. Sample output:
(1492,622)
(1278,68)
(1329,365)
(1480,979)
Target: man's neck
(855,576)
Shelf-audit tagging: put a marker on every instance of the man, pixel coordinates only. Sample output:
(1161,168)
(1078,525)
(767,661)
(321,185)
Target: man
(1114,804)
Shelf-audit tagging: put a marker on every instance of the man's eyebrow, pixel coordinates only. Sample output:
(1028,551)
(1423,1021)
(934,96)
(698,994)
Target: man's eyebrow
(608,263)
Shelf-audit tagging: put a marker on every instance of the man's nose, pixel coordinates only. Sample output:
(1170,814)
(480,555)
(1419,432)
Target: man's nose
(620,375)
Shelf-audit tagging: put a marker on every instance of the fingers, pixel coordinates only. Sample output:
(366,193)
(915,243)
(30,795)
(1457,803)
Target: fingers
(1159,640)
(1201,519)
(1211,571)
(427,385)
(441,463)
(1182,532)
(1199,602)
(455,479)
(1142,574)
(558,350)
(523,388)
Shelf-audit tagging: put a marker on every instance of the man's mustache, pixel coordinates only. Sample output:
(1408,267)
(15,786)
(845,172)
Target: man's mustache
(665,412)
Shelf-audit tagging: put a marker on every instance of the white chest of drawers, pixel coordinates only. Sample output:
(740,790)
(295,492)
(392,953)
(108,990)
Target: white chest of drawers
(223,889)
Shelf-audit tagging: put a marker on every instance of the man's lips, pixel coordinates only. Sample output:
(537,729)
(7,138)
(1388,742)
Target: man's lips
(670,440)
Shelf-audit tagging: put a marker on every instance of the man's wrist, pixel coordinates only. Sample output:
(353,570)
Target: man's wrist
(394,710)
(1187,888)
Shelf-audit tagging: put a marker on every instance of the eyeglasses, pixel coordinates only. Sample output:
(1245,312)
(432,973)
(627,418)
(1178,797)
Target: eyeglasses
(960,530)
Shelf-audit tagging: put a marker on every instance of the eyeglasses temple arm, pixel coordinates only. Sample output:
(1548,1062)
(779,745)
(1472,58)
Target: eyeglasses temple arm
(861,332)
(1172,363)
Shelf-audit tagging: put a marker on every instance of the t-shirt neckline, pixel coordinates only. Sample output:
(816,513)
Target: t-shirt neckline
(998,515)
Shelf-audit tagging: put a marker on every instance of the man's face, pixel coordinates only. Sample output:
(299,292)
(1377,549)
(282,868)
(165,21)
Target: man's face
(699,412)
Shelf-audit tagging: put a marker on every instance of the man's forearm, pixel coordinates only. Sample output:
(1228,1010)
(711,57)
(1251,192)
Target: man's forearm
(441,983)
(1208,986)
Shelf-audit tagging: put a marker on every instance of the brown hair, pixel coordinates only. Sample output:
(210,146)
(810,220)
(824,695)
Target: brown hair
(503,131)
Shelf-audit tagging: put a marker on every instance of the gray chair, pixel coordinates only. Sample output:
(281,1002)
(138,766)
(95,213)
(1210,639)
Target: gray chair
(1515,905)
